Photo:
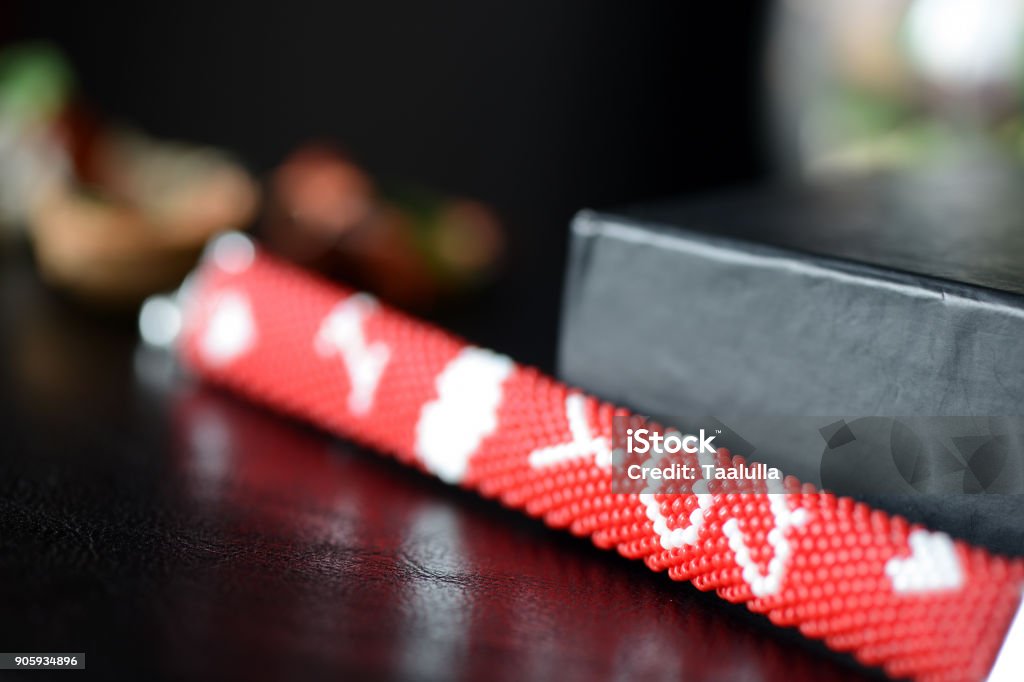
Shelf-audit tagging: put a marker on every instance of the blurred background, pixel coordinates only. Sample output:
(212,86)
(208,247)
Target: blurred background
(436,154)
(533,109)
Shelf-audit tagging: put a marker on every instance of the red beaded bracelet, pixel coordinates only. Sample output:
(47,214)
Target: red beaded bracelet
(912,601)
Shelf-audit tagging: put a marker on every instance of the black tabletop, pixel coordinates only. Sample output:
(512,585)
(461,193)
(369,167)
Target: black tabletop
(170,531)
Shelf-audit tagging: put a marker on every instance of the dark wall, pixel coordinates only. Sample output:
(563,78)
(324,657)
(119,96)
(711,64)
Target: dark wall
(539,107)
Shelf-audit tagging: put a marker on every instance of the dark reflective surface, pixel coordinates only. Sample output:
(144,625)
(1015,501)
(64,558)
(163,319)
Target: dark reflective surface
(172,532)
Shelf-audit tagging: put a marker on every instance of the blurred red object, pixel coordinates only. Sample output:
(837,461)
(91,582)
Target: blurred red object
(412,248)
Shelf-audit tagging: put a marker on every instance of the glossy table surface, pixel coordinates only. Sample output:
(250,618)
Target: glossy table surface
(170,531)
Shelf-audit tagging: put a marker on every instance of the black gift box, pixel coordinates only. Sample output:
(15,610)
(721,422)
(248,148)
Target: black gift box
(890,296)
